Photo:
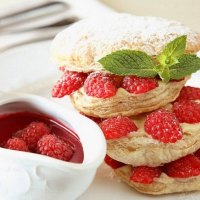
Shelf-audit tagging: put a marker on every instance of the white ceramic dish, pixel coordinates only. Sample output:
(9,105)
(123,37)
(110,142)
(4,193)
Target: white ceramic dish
(28,69)
(29,176)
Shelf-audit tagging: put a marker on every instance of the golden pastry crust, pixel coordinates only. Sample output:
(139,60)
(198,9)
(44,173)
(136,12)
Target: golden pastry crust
(80,46)
(162,185)
(139,149)
(125,103)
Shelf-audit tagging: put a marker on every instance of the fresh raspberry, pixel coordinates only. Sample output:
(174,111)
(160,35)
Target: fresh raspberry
(184,167)
(100,85)
(68,83)
(162,125)
(144,174)
(16,144)
(197,154)
(113,163)
(138,85)
(187,111)
(32,133)
(117,127)
(189,93)
(51,145)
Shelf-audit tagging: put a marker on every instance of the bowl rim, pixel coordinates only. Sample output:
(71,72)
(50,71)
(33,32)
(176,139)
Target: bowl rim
(97,133)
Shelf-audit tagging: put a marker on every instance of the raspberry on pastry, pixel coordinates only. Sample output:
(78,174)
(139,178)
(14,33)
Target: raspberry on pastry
(68,83)
(189,93)
(117,127)
(144,174)
(187,111)
(138,85)
(100,85)
(162,125)
(184,167)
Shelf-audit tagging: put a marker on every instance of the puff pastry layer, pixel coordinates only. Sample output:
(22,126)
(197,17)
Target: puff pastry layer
(162,185)
(80,46)
(138,148)
(125,103)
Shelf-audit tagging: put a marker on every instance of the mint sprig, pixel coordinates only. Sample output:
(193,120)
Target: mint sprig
(128,62)
(172,51)
(172,63)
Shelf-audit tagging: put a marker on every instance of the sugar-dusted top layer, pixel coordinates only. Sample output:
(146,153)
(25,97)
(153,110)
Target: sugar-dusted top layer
(80,46)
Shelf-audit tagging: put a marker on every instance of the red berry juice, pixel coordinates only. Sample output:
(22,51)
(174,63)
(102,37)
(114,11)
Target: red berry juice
(13,122)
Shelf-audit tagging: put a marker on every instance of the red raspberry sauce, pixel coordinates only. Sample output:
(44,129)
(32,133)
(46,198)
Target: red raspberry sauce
(13,122)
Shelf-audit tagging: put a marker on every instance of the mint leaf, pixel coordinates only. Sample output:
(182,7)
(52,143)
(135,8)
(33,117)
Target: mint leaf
(129,62)
(165,75)
(159,68)
(187,65)
(172,51)
(163,72)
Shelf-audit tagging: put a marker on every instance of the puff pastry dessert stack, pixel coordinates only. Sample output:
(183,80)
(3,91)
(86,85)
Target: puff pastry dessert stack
(152,162)
(128,73)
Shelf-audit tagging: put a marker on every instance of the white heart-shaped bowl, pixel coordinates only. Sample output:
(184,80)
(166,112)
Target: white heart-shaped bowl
(29,176)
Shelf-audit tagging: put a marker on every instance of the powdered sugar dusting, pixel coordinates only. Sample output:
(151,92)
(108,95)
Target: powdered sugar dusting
(85,42)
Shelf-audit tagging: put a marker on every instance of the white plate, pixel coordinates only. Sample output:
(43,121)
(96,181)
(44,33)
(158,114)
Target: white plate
(29,69)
